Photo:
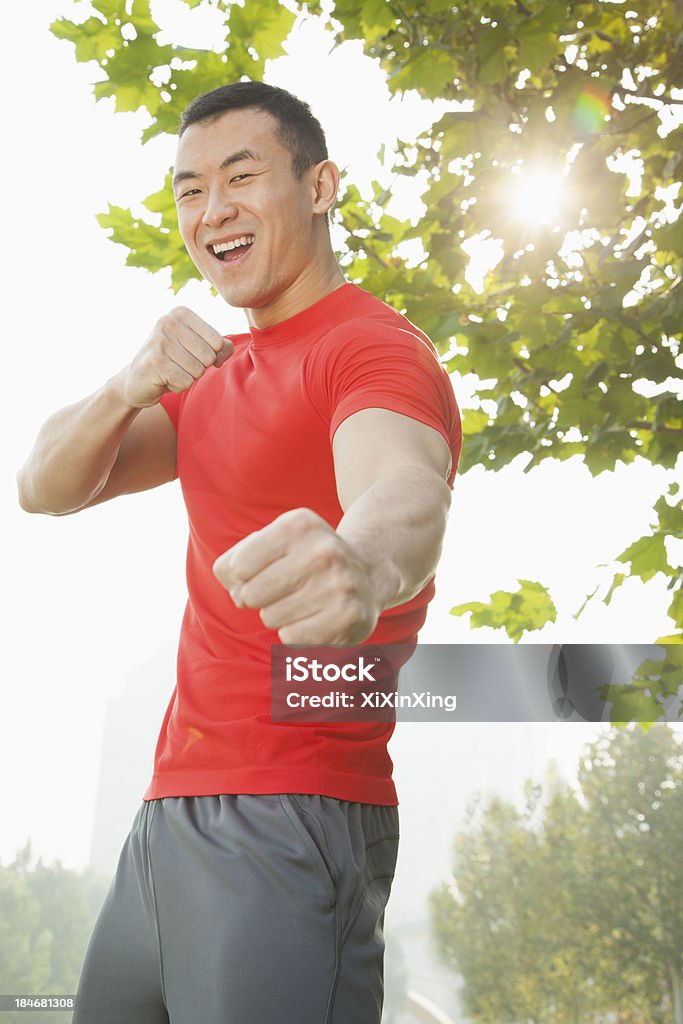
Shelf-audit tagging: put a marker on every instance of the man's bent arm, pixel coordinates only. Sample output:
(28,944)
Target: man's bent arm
(92,451)
(74,452)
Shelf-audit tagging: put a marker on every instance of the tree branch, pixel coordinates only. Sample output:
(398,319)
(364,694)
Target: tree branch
(646,425)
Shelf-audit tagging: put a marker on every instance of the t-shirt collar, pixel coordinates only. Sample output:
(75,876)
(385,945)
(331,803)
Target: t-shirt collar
(306,320)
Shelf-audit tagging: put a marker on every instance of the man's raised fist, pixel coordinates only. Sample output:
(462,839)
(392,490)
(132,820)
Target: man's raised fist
(176,353)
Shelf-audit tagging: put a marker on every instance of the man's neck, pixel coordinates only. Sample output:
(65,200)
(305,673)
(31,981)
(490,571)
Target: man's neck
(304,292)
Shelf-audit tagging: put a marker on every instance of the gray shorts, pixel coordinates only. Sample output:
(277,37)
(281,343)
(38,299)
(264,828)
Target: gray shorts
(244,909)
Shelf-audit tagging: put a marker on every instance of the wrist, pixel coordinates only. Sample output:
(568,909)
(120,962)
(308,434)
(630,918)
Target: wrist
(115,390)
(383,575)
(386,583)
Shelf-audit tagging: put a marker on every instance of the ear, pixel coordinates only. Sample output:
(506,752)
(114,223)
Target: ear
(325,185)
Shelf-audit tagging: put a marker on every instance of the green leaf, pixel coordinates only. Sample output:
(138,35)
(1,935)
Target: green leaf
(670,237)
(586,601)
(460,132)
(145,241)
(528,608)
(675,611)
(377,18)
(265,28)
(619,578)
(473,421)
(92,39)
(633,704)
(429,72)
(494,63)
(647,557)
(537,49)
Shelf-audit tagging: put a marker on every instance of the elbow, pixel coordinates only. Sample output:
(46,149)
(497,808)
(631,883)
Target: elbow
(28,501)
(23,494)
(32,507)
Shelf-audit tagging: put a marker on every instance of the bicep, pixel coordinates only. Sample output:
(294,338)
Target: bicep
(373,443)
(146,457)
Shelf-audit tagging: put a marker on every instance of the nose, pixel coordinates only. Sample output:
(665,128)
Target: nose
(219,209)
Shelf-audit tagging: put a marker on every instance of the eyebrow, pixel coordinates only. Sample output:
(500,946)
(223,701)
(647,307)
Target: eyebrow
(234,158)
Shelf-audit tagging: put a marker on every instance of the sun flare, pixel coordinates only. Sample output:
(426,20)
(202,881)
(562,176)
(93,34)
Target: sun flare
(536,196)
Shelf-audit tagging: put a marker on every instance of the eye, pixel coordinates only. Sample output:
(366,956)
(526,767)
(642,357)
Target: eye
(188,193)
(240,177)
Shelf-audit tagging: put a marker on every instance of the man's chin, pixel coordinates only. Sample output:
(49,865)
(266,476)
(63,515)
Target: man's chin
(239,300)
(236,295)
(243,298)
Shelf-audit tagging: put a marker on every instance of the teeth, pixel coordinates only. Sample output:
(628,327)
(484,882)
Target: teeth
(224,246)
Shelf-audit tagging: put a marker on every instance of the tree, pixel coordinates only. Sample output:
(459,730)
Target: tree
(569,910)
(46,915)
(632,784)
(579,322)
(575,339)
(506,924)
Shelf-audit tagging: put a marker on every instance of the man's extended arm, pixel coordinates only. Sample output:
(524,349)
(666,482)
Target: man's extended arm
(316,585)
(118,440)
(395,498)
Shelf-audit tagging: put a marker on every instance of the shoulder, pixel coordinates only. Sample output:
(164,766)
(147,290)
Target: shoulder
(381,332)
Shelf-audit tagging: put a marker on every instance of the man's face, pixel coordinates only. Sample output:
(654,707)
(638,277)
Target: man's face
(233,181)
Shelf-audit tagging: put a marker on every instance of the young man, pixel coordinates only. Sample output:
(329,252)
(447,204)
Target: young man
(316,455)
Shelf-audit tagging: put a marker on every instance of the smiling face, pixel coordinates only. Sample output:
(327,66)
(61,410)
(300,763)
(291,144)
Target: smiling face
(252,230)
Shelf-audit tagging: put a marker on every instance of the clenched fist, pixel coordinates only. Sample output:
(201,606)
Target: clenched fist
(177,352)
(307,581)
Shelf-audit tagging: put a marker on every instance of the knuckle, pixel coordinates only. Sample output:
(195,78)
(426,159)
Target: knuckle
(164,323)
(345,586)
(178,312)
(301,517)
(268,618)
(352,610)
(221,573)
(162,337)
(181,380)
(295,634)
(325,553)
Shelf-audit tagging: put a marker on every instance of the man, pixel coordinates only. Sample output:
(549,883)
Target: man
(316,455)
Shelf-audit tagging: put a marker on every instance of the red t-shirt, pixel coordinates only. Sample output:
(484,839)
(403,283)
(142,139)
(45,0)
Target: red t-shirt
(254,440)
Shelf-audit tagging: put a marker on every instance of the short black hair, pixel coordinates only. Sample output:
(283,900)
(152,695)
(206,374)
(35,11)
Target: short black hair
(298,130)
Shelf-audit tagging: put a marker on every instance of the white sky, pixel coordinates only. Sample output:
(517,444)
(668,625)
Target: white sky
(89,597)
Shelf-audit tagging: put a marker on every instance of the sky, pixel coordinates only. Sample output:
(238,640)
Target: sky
(89,597)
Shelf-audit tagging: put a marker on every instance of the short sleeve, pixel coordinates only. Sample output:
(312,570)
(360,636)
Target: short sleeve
(363,365)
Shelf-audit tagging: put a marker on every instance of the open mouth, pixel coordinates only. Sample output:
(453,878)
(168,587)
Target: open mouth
(233,251)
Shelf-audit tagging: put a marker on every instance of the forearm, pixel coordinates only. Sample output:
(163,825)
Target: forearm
(74,452)
(397,527)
